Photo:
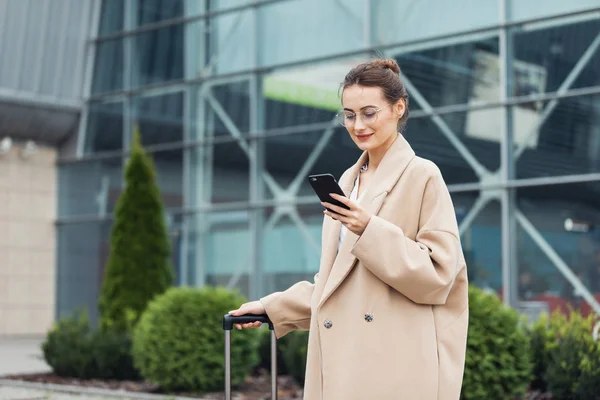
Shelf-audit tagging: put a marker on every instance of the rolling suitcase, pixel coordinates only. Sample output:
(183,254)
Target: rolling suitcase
(229,322)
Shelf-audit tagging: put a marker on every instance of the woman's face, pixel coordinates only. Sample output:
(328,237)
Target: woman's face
(369,128)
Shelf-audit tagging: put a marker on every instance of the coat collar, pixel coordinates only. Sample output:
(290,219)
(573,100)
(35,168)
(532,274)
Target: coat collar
(393,164)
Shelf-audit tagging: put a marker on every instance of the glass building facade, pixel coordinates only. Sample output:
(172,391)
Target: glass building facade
(236,101)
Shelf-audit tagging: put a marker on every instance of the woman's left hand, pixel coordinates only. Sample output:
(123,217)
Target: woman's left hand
(355,219)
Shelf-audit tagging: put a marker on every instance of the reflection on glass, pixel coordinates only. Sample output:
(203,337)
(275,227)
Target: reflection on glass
(443,18)
(108,66)
(158,55)
(292,247)
(565,140)
(481,240)
(295,34)
(83,250)
(527,9)
(460,73)
(151,11)
(289,158)
(210,257)
(169,176)
(160,118)
(111,16)
(561,221)
(545,57)
(89,188)
(221,111)
(306,94)
(218,174)
(477,148)
(104,127)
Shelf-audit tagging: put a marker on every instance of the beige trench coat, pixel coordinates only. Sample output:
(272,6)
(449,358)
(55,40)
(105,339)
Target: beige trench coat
(388,313)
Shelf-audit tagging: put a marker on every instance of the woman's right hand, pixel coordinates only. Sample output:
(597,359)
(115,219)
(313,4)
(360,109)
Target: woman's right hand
(253,307)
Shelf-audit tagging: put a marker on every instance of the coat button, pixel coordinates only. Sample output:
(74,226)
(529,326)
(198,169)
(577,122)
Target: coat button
(368,317)
(328,324)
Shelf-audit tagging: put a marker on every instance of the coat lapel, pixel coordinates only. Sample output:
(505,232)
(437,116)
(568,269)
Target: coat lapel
(389,171)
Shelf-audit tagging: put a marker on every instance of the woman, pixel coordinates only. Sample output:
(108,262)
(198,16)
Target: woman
(388,309)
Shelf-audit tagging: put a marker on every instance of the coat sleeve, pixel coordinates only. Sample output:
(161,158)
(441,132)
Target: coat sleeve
(290,310)
(423,269)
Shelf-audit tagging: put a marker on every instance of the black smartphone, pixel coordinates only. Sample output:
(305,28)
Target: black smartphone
(323,184)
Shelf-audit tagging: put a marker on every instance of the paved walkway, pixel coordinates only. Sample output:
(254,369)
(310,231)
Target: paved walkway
(24,356)
(21,356)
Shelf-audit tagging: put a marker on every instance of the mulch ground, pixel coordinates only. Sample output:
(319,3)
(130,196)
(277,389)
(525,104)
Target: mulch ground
(256,387)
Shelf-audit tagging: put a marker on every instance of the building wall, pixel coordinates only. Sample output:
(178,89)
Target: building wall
(236,109)
(28,191)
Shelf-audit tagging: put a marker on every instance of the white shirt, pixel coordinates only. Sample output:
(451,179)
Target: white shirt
(353,197)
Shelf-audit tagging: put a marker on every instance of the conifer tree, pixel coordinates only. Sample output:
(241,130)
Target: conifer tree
(138,266)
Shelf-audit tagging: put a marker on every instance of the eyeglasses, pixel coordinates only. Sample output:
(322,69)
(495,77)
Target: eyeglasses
(368,115)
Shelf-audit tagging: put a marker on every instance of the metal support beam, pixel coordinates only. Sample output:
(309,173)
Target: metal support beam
(90,57)
(257,161)
(508,196)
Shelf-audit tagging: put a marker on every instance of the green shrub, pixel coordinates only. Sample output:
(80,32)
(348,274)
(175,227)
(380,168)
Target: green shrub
(138,266)
(264,351)
(497,361)
(294,354)
(543,336)
(72,349)
(574,361)
(179,340)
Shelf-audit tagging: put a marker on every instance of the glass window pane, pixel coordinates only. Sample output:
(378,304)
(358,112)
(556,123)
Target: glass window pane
(89,187)
(108,66)
(295,32)
(158,55)
(559,221)
(151,11)
(481,236)
(555,138)
(563,56)
(210,257)
(83,250)
(400,21)
(221,111)
(169,176)
(463,72)
(527,9)
(464,145)
(160,118)
(291,158)
(291,247)
(219,173)
(306,94)
(111,17)
(104,127)
(230,42)
(219,5)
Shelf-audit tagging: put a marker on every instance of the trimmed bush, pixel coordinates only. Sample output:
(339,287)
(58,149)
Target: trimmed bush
(264,351)
(543,335)
(294,354)
(573,369)
(73,350)
(179,340)
(138,265)
(497,363)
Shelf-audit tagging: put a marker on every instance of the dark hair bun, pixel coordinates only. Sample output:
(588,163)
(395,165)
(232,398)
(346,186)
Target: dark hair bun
(389,63)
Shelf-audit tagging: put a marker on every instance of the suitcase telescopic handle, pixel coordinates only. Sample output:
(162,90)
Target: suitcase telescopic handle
(229,320)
